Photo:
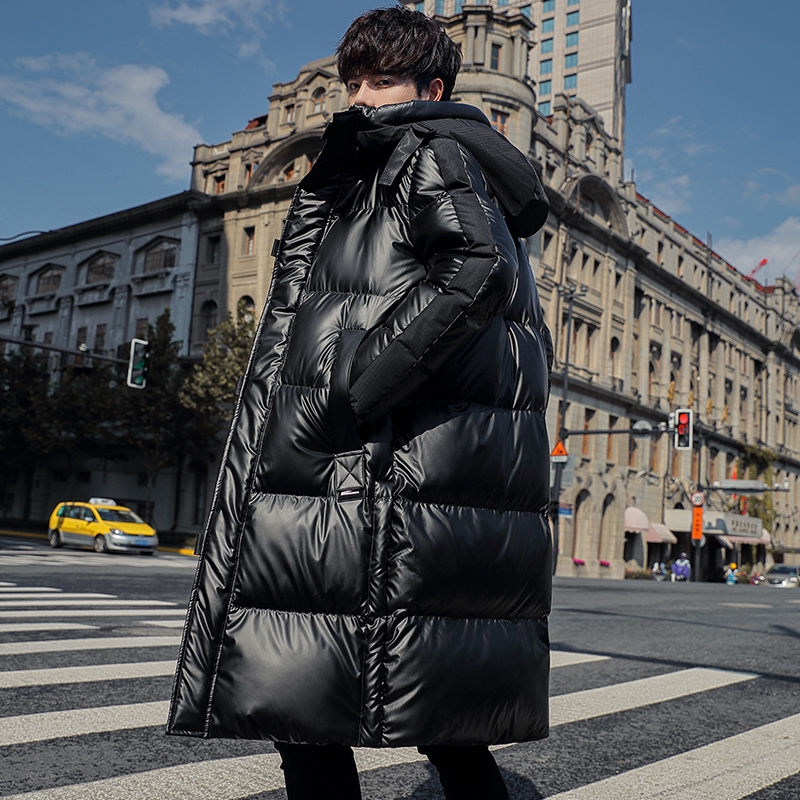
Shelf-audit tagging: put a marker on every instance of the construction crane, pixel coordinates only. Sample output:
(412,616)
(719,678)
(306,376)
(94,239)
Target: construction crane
(756,268)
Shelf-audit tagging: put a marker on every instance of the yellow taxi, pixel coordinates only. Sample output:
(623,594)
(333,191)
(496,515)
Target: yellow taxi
(101,524)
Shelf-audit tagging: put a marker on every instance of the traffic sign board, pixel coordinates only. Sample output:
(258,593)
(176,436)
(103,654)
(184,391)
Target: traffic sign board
(559,453)
(698,498)
(697,523)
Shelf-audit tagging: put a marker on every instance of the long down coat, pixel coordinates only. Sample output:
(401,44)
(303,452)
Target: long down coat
(376,566)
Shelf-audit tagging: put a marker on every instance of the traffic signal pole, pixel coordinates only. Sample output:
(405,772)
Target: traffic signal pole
(67,350)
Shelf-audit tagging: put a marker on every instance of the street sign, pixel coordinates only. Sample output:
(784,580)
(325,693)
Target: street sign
(559,453)
(698,498)
(697,523)
(565,510)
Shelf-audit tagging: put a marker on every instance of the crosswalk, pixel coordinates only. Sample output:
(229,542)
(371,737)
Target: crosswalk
(65,687)
(21,555)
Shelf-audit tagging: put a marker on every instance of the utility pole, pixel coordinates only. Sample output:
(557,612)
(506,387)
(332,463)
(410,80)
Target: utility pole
(570,292)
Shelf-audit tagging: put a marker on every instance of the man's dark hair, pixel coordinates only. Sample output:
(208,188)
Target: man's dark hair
(402,42)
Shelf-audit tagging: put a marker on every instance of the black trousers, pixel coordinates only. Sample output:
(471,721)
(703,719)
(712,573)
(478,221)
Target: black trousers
(328,772)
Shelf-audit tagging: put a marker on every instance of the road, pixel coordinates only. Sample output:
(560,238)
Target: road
(658,691)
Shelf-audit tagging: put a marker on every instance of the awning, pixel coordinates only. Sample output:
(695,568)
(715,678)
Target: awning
(724,541)
(765,538)
(636,520)
(658,532)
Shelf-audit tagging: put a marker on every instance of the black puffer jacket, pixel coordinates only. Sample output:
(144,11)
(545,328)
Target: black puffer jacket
(376,566)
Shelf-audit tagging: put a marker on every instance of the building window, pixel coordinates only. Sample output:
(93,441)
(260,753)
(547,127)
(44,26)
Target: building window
(289,113)
(48,281)
(548,5)
(420,7)
(249,241)
(48,337)
(208,317)
(7,287)
(573,2)
(573,18)
(219,183)
(545,87)
(246,308)
(494,62)
(142,326)
(288,173)
(544,109)
(160,256)
(500,122)
(572,39)
(438,7)
(100,269)
(83,333)
(318,100)
(571,61)
(100,337)
(212,249)
(546,67)
(249,171)
(457,6)
(570,82)
(588,414)
(547,46)
(526,11)
(502,3)
(612,423)
(548,25)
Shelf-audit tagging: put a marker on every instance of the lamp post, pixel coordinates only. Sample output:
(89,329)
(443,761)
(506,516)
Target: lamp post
(570,292)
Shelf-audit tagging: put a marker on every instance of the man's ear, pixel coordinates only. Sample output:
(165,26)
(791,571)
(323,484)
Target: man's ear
(434,91)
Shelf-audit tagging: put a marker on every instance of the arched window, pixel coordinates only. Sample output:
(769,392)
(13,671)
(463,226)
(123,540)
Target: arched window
(579,524)
(208,317)
(8,286)
(48,280)
(288,173)
(246,308)
(160,256)
(606,528)
(100,268)
(612,357)
(318,101)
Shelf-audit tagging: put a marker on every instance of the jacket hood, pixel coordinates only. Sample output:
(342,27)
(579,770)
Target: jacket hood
(509,173)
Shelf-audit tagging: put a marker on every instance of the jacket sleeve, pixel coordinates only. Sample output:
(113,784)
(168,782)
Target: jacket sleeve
(469,280)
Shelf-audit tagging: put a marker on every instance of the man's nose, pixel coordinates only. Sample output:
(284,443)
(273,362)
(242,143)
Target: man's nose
(364,96)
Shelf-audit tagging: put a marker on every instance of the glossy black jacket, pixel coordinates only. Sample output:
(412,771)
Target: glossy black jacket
(376,566)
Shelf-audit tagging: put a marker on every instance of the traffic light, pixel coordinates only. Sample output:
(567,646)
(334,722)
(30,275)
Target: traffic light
(684,423)
(138,363)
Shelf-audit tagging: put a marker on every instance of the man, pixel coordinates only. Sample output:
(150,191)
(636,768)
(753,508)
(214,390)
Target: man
(376,566)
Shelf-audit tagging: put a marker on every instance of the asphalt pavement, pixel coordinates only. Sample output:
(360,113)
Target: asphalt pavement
(657,691)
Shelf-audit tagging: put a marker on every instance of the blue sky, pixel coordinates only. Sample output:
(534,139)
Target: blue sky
(101,103)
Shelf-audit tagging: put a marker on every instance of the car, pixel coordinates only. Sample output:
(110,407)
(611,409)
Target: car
(783,575)
(101,524)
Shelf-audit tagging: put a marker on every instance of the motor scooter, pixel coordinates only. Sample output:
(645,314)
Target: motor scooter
(680,571)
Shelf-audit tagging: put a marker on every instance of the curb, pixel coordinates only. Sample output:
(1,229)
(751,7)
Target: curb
(183,551)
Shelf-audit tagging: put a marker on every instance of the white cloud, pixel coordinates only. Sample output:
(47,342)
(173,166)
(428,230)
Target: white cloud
(769,185)
(247,21)
(781,246)
(71,94)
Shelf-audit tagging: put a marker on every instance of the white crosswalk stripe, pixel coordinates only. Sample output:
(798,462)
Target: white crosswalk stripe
(766,753)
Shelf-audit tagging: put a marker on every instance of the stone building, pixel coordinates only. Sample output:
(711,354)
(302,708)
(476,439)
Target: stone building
(95,285)
(660,320)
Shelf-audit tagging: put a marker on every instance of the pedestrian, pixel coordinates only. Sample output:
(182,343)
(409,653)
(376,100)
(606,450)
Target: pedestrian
(376,567)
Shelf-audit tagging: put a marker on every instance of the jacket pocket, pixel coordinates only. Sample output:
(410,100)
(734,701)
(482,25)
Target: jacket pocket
(343,421)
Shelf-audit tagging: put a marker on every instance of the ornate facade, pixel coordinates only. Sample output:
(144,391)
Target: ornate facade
(661,320)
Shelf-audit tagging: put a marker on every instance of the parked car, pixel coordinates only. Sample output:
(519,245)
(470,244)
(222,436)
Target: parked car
(783,575)
(101,524)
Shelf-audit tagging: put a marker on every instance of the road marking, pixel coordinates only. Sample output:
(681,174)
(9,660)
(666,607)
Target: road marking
(53,596)
(746,605)
(6,583)
(108,643)
(13,679)
(579,706)
(77,722)
(164,623)
(762,756)
(89,600)
(13,589)
(562,658)
(24,627)
(566,708)
(222,779)
(94,612)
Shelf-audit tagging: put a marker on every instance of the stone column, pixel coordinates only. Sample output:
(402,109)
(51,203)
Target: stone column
(666,357)
(734,409)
